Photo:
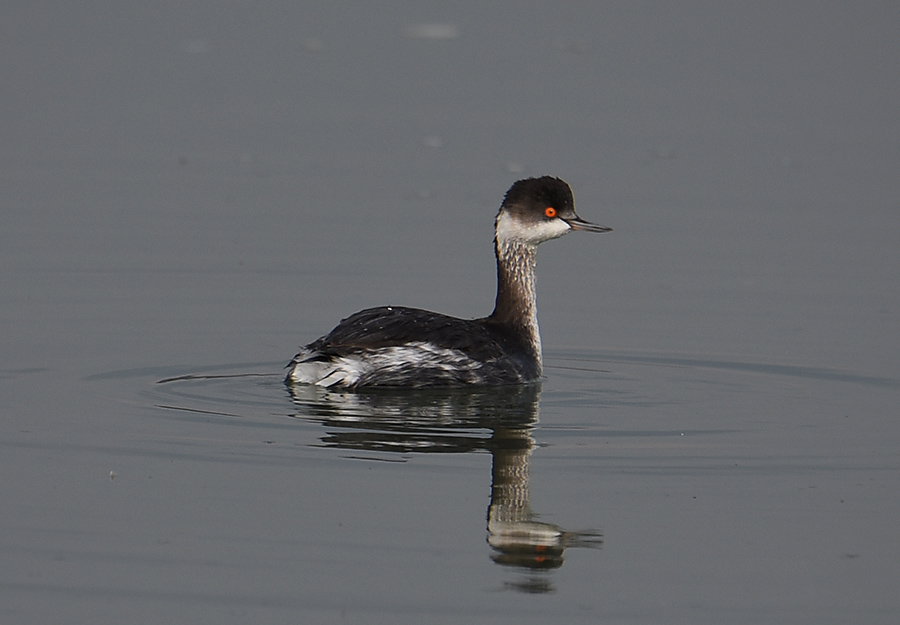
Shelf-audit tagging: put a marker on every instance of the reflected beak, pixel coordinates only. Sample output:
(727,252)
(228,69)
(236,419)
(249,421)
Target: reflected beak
(577,223)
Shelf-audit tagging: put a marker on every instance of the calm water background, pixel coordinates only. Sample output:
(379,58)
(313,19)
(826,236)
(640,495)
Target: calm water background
(196,190)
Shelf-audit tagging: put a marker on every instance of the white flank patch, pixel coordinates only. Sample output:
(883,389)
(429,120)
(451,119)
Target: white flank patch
(510,228)
(384,363)
(323,373)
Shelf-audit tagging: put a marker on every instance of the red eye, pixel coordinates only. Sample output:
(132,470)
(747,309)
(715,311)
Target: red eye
(550,211)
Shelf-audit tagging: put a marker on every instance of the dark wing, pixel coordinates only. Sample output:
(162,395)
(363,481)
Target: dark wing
(388,326)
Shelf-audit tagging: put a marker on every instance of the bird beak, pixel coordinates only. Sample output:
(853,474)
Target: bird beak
(577,223)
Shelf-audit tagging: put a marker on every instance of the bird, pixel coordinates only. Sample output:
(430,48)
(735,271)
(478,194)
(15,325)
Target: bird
(402,347)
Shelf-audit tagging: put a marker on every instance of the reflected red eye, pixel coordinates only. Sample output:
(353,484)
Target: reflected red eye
(550,211)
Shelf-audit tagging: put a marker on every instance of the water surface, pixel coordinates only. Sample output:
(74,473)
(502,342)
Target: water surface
(185,197)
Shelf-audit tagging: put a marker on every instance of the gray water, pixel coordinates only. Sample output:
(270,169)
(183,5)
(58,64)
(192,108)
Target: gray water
(188,193)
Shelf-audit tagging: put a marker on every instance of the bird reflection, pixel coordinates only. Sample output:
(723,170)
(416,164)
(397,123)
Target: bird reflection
(499,420)
(514,532)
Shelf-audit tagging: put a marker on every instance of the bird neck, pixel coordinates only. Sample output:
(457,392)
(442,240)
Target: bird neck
(516,305)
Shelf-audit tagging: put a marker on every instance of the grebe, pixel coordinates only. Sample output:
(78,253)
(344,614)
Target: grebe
(395,346)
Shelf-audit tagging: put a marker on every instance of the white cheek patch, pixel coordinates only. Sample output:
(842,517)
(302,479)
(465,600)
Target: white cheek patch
(511,229)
